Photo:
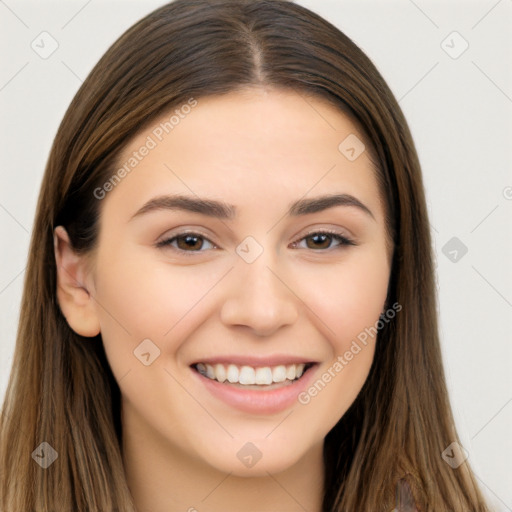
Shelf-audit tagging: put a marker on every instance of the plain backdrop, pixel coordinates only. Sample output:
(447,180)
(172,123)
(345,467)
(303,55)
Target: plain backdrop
(447,62)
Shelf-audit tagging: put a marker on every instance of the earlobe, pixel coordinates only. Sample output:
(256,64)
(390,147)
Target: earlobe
(74,287)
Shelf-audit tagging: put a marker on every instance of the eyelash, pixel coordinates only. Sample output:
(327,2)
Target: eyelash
(343,241)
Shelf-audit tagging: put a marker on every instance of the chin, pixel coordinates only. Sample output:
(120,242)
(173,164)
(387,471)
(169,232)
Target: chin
(256,459)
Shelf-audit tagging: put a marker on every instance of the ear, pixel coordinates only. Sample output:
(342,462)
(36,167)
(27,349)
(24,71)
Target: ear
(74,287)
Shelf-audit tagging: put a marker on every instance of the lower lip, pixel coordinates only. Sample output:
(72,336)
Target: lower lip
(255,401)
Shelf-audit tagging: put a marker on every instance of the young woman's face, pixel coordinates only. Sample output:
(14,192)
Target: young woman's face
(213,258)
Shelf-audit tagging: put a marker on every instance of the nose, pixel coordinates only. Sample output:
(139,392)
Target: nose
(259,299)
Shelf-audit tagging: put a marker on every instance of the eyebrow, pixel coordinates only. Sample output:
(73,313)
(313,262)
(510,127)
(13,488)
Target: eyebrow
(221,210)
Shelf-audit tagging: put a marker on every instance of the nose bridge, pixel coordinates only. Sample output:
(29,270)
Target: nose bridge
(258,299)
(259,282)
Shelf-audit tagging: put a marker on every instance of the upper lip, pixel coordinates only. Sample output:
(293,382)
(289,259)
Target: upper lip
(254,361)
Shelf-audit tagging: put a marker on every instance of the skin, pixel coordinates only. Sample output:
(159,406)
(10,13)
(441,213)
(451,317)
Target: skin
(259,150)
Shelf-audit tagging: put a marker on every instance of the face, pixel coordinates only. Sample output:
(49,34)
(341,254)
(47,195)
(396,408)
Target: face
(217,256)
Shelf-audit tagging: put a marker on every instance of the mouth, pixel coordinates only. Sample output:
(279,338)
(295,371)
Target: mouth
(263,378)
(255,385)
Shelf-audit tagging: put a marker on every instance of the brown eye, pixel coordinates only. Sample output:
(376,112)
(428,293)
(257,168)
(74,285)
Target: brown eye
(319,241)
(187,243)
(324,241)
(192,242)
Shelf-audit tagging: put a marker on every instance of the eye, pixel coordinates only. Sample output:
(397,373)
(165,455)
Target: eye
(322,240)
(195,242)
(187,242)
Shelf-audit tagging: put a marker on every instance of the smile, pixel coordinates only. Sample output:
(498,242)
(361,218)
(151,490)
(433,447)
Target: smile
(250,376)
(255,384)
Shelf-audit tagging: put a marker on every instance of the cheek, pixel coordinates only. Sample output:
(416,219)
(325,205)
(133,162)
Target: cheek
(349,298)
(349,306)
(138,300)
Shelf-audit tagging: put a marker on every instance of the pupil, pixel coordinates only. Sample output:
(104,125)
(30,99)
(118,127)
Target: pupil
(319,240)
(190,242)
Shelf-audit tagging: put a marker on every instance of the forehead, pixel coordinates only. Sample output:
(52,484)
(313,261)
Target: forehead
(254,140)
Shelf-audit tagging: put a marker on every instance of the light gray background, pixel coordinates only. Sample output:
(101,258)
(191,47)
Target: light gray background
(460,113)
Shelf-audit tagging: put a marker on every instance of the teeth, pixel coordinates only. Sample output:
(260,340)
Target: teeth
(264,376)
(248,375)
(279,374)
(232,373)
(210,372)
(220,373)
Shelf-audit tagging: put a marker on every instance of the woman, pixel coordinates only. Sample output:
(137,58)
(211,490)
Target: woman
(182,347)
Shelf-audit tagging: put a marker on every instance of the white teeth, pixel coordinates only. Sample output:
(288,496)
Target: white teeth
(290,372)
(220,373)
(210,372)
(264,376)
(279,374)
(247,375)
(232,373)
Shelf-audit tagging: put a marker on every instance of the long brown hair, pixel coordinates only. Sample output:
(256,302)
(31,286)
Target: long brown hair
(61,389)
